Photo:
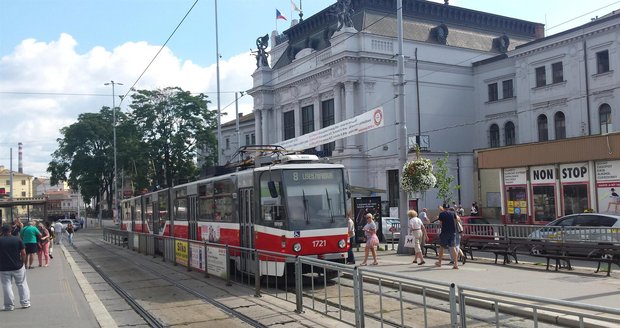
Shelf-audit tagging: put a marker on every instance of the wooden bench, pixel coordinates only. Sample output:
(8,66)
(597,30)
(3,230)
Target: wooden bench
(563,253)
(499,247)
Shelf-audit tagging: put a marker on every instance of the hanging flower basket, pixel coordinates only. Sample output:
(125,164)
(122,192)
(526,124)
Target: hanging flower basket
(418,175)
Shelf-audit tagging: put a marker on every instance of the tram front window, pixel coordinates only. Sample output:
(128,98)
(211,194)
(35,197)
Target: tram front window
(314,198)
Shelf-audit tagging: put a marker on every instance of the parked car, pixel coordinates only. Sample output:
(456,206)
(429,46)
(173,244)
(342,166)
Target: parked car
(597,227)
(389,223)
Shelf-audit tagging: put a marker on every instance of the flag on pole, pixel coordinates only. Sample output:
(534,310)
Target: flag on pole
(279,15)
(294,6)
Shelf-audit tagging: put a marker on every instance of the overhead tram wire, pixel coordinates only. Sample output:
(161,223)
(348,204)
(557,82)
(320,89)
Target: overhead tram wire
(158,52)
(588,13)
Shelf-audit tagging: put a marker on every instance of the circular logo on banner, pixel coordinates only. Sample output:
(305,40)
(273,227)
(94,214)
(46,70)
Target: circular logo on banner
(378,117)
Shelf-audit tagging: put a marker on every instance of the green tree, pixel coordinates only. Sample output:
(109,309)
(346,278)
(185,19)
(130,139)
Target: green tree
(171,123)
(444,180)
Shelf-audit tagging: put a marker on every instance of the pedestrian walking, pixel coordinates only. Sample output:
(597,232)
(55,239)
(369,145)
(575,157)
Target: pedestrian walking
(29,235)
(417,230)
(12,267)
(58,232)
(351,234)
(372,241)
(50,228)
(70,231)
(16,227)
(424,216)
(44,245)
(447,235)
(457,240)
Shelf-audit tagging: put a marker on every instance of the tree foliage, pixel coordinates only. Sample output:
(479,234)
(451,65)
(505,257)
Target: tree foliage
(171,123)
(444,180)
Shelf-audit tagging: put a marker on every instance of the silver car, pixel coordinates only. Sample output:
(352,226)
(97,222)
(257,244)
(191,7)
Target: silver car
(585,227)
(388,224)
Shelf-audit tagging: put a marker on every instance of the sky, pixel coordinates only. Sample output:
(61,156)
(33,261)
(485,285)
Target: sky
(56,55)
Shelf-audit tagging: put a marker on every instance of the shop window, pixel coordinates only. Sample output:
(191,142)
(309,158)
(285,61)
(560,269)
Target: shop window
(307,119)
(494,136)
(516,204)
(602,62)
(507,90)
(560,125)
(509,133)
(543,132)
(289,125)
(575,198)
(541,76)
(327,116)
(493,96)
(544,203)
(557,72)
(604,115)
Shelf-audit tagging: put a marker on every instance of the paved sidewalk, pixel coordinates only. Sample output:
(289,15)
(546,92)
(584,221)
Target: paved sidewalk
(580,285)
(56,297)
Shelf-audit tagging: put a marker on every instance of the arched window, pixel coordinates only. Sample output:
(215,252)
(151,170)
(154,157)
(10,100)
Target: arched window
(560,125)
(494,135)
(509,134)
(543,131)
(604,117)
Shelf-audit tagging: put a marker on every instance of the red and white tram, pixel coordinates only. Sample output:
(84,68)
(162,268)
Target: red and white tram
(294,206)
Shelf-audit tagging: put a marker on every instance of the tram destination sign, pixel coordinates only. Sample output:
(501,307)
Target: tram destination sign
(367,121)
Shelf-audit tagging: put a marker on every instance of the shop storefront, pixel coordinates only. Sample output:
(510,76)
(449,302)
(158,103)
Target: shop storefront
(543,181)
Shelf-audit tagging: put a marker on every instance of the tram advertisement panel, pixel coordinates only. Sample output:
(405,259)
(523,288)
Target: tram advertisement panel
(361,207)
(197,260)
(216,261)
(608,186)
(181,250)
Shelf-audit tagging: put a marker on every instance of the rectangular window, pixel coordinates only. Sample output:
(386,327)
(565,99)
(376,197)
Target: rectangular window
(23,182)
(327,115)
(493,92)
(541,76)
(544,203)
(558,72)
(516,198)
(247,139)
(289,125)
(23,194)
(8,182)
(307,119)
(575,198)
(253,139)
(602,62)
(507,91)
(227,143)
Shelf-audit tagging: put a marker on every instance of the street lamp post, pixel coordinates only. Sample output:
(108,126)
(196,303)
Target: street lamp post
(114,181)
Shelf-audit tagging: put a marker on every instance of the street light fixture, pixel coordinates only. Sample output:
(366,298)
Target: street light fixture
(114,180)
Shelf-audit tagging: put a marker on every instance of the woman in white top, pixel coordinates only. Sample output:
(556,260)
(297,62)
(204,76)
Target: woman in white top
(417,230)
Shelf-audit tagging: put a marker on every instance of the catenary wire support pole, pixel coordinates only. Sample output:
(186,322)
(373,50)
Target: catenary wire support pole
(115,212)
(402,122)
(219,110)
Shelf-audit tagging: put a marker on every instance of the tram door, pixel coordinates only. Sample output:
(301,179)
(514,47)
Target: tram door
(246,222)
(191,218)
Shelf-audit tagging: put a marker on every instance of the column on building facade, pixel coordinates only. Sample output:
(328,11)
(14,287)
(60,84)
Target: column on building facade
(316,104)
(337,112)
(297,111)
(258,124)
(277,124)
(349,110)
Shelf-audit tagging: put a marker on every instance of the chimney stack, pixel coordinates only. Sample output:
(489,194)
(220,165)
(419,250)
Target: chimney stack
(20,163)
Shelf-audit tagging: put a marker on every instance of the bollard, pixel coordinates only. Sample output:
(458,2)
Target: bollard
(256,275)
(298,287)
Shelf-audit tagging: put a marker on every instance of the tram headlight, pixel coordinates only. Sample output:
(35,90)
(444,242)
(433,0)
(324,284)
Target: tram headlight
(342,243)
(297,247)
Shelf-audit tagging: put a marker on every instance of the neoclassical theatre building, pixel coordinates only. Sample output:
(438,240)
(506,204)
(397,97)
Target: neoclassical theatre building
(322,72)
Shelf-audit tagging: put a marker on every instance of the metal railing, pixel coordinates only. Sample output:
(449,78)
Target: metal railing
(361,295)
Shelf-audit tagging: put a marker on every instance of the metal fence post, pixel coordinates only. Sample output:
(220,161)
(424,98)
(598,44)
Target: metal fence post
(257,275)
(453,310)
(298,286)
(358,297)
(163,249)
(462,308)
(189,256)
(174,251)
(204,243)
(228,283)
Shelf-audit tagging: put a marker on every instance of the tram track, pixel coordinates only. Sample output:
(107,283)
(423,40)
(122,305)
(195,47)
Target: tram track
(148,317)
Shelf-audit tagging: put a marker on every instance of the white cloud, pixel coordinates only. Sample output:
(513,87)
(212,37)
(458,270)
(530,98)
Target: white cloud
(46,85)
